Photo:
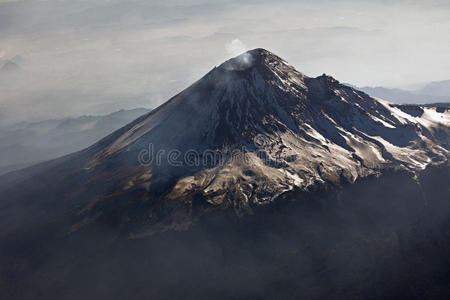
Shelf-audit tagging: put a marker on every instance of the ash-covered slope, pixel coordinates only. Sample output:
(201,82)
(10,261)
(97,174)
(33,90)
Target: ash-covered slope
(250,131)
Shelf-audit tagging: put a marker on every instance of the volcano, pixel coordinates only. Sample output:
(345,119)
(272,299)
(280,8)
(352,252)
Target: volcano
(251,131)
(255,182)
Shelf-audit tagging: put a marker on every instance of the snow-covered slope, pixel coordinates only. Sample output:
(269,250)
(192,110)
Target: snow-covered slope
(250,131)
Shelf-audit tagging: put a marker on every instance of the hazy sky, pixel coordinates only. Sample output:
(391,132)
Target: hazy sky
(97,56)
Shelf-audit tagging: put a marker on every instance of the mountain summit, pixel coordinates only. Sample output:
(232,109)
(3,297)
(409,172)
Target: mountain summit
(251,131)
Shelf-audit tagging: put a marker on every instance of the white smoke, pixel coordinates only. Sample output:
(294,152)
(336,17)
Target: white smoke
(235,47)
(238,48)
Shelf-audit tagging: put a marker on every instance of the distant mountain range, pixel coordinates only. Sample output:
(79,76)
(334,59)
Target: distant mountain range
(437,88)
(26,143)
(11,66)
(434,92)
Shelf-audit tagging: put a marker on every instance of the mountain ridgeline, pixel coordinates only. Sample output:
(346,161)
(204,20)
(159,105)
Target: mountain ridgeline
(254,177)
(26,143)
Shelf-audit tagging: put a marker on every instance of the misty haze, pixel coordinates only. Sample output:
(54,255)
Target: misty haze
(224,149)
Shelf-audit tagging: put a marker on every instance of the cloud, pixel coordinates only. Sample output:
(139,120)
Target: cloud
(235,47)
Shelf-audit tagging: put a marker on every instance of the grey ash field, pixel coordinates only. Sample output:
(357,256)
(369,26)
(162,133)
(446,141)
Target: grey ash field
(330,193)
